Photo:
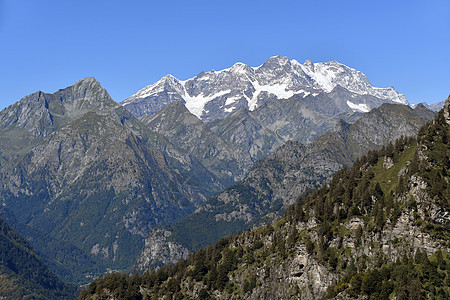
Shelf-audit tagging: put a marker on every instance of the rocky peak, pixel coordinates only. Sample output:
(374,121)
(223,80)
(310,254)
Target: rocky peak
(90,91)
(309,64)
(41,113)
(240,68)
(277,60)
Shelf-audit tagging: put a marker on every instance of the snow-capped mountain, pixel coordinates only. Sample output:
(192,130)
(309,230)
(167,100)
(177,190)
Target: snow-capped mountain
(215,94)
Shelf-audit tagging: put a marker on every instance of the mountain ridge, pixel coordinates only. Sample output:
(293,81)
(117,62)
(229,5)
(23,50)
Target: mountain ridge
(93,176)
(215,94)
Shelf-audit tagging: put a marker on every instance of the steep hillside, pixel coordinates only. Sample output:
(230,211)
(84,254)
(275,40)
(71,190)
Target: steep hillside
(278,180)
(263,130)
(378,230)
(96,177)
(23,274)
(228,147)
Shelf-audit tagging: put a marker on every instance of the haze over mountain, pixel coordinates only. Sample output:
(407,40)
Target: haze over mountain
(22,273)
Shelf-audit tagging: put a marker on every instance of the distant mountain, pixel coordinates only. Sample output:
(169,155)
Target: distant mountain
(216,94)
(378,230)
(437,106)
(231,118)
(278,180)
(92,175)
(22,273)
(228,147)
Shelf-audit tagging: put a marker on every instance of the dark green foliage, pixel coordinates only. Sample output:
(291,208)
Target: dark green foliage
(407,278)
(437,149)
(309,245)
(203,295)
(210,266)
(23,274)
(250,284)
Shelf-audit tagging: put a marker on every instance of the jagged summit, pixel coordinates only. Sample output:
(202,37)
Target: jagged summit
(39,114)
(87,80)
(309,64)
(215,94)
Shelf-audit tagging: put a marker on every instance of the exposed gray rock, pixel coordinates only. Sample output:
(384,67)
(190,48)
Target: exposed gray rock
(214,95)
(160,250)
(223,158)
(446,110)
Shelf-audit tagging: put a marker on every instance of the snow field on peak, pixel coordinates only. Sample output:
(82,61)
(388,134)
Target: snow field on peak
(358,107)
(298,79)
(279,90)
(322,76)
(196,104)
(154,89)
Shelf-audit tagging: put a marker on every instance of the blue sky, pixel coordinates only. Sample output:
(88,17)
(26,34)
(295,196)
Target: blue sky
(47,45)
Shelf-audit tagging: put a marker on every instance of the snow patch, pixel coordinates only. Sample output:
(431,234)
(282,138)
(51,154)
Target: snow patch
(322,76)
(233,99)
(230,109)
(358,107)
(279,90)
(196,104)
(305,93)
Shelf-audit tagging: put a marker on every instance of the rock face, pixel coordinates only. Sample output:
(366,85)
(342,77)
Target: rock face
(225,159)
(446,110)
(228,147)
(94,176)
(214,95)
(276,181)
(160,250)
(27,122)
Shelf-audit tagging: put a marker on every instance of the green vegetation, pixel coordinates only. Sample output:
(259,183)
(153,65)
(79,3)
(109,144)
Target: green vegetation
(362,205)
(418,277)
(435,170)
(23,274)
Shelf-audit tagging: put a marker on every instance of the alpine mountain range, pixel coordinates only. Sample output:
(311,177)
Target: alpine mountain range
(95,185)
(214,95)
